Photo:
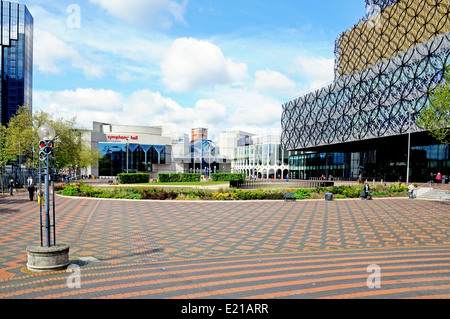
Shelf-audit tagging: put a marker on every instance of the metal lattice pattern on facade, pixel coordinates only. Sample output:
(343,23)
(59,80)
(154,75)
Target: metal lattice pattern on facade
(392,27)
(380,101)
(371,104)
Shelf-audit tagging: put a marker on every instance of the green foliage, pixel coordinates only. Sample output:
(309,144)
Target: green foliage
(179,178)
(249,195)
(303,193)
(152,193)
(69,149)
(436,117)
(227,177)
(134,178)
(71,190)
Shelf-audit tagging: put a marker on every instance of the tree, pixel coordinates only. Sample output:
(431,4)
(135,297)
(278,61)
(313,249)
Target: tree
(3,156)
(436,117)
(69,150)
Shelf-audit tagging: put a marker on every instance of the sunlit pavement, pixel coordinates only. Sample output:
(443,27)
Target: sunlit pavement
(385,248)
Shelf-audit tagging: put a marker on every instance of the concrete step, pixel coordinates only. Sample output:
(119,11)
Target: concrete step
(433,194)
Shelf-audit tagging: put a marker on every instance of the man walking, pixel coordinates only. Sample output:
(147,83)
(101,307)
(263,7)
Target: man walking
(30,187)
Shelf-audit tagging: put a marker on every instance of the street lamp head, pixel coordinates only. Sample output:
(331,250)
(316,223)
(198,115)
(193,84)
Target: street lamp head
(46,132)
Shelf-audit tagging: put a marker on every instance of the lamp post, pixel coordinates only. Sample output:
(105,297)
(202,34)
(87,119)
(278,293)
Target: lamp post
(49,256)
(46,134)
(409,147)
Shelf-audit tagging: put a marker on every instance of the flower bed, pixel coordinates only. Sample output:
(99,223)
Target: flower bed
(149,193)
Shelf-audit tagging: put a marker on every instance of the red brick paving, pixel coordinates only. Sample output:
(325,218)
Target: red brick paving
(255,249)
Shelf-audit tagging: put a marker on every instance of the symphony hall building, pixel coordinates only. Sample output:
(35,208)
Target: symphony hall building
(385,67)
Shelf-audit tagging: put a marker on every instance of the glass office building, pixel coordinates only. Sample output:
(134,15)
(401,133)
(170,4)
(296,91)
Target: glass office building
(16,59)
(261,156)
(116,158)
(385,67)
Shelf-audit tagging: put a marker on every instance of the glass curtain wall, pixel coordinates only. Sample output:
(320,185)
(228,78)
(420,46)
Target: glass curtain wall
(141,158)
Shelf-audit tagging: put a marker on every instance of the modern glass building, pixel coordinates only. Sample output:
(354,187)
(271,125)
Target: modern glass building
(385,67)
(16,56)
(199,154)
(261,156)
(129,149)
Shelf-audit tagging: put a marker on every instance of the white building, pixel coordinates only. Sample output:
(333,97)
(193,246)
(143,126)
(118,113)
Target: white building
(258,156)
(132,149)
(261,156)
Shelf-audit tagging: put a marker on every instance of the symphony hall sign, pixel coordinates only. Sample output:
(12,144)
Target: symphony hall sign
(121,137)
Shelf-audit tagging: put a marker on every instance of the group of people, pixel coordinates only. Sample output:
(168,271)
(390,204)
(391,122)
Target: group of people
(30,187)
(366,191)
(437,178)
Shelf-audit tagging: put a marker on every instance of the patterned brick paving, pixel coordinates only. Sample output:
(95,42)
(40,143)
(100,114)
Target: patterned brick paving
(255,249)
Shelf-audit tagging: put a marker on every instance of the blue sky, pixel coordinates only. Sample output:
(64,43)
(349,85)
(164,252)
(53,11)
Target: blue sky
(185,63)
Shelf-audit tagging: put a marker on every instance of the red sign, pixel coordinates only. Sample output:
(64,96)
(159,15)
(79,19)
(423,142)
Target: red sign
(121,137)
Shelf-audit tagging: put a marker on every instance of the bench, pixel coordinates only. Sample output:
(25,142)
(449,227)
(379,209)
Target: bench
(289,196)
(362,194)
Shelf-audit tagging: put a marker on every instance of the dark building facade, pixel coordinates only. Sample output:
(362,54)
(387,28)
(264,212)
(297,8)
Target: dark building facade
(16,67)
(385,67)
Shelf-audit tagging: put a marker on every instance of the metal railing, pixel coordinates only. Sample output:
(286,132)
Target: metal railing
(255,184)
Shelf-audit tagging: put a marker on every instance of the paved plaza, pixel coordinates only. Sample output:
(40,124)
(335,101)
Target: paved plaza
(252,249)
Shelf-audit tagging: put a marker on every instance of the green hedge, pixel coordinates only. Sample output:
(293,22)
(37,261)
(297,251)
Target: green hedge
(179,178)
(134,178)
(227,177)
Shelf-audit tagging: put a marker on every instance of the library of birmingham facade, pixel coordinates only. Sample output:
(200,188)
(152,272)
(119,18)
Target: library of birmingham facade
(385,67)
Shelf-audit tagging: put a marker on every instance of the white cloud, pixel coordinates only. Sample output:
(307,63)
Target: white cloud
(87,105)
(151,108)
(190,64)
(229,108)
(318,71)
(90,100)
(249,108)
(161,13)
(270,81)
(50,52)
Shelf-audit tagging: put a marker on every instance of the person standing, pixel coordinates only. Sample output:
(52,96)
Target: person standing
(411,191)
(40,196)
(11,187)
(438,177)
(287,177)
(366,190)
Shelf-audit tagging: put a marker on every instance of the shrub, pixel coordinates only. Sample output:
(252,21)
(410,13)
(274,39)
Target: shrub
(134,196)
(228,177)
(71,190)
(179,178)
(134,178)
(303,193)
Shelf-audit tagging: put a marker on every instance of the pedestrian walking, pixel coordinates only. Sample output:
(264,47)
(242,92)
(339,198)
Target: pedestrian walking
(287,177)
(411,191)
(31,191)
(438,177)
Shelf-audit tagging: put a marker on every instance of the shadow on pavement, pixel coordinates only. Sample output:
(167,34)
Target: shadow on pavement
(142,253)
